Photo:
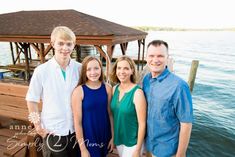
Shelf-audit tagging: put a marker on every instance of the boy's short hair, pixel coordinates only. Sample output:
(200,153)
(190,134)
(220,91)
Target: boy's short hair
(63,32)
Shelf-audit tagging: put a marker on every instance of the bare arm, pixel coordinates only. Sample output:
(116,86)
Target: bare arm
(109,91)
(33,108)
(184,137)
(77,98)
(140,105)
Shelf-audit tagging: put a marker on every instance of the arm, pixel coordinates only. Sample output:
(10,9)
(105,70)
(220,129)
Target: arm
(184,113)
(184,137)
(140,105)
(109,91)
(33,108)
(77,98)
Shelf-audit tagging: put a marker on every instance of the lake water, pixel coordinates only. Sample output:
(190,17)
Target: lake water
(213,133)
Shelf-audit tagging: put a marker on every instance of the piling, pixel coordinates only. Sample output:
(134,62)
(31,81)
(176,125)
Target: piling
(192,74)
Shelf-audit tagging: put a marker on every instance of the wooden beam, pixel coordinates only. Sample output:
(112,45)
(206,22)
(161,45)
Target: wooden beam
(41,54)
(143,53)
(17,53)
(107,58)
(110,50)
(124,47)
(25,46)
(36,48)
(139,46)
(12,52)
(48,48)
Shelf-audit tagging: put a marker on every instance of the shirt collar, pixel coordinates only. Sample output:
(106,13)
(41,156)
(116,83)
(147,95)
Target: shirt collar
(56,64)
(162,76)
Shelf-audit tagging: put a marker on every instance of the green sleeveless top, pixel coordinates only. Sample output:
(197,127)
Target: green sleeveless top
(125,118)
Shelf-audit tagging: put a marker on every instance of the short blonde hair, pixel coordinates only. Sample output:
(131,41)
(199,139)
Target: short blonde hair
(113,75)
(63,32)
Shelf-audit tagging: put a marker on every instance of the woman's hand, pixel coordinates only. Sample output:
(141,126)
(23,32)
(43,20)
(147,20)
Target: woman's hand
(136,153)
(111,145)
(85,153)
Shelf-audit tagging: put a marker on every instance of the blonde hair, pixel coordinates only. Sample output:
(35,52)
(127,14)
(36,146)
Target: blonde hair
(113,75)
(83,77)
(63,32)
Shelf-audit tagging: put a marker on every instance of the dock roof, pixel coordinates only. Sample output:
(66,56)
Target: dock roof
(36,26)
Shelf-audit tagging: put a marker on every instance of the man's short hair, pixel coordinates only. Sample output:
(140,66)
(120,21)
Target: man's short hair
(63,32)
(158,43)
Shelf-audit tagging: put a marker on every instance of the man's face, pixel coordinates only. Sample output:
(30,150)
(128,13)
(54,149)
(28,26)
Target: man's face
(63,48)
(157,59)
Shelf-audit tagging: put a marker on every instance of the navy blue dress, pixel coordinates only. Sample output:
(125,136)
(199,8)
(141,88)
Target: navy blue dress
(95,120)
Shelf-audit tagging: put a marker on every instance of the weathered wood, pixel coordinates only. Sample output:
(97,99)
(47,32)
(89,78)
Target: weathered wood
(192,74)
(13,105)
(13,89)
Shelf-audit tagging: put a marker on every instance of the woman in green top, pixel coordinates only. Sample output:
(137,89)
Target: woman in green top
(129,109)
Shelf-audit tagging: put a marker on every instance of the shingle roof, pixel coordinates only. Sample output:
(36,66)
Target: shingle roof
(41,23)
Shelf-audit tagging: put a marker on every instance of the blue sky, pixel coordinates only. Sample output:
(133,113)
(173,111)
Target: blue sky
(164,13)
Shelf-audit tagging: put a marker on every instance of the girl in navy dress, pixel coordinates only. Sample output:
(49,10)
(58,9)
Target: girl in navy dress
(93,120)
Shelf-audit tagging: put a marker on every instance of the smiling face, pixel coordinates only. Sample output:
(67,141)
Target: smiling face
(93,71)
(63,49)
(157,59)
(63,41)
(124,71)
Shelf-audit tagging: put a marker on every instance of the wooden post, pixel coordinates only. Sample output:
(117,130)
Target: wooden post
(25,46)
(143,42)
(12,53)
(42,54)
(138,62)
(192,74)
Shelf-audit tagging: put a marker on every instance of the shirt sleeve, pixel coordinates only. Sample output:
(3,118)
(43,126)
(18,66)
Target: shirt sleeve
(35,87)
(184,107)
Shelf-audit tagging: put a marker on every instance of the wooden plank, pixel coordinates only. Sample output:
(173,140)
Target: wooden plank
(2,149)
(17,147)
(13,110)
(20,116)
(9,100)
(13,89)
(8,132)
(3,141)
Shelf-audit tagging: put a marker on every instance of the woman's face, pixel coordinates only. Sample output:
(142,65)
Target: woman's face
(124,71)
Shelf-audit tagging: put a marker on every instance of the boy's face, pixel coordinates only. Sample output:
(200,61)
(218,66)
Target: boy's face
(63,48)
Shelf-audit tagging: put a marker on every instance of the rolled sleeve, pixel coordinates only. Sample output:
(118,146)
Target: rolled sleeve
(184,107)
(35,88)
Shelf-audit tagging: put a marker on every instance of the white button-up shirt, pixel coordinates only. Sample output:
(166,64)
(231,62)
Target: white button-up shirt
(49,85)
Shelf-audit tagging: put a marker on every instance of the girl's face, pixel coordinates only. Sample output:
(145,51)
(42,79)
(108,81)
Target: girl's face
(93,71)
(124,71)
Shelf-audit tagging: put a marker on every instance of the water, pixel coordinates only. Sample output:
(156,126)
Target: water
(213,133)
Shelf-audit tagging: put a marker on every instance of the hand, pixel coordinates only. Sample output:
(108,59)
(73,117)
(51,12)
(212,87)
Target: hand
(85,153)
(136,153)
(111,145)
(42,132)
(180,155)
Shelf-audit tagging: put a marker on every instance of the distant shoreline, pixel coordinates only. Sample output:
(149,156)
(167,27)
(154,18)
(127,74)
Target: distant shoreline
(153,28)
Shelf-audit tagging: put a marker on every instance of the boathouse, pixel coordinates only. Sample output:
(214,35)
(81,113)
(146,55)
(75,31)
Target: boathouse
(26,30)
(29,32)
